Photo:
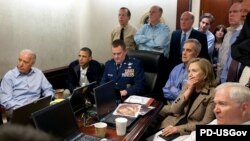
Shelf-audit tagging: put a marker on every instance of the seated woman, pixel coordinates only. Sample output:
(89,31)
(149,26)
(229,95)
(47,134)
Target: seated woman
(195,103)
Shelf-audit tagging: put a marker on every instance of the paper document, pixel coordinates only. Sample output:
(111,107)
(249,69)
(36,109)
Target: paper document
(127,109)
(139,99)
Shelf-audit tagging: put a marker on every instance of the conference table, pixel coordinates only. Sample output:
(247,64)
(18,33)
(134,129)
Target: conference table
(136,131)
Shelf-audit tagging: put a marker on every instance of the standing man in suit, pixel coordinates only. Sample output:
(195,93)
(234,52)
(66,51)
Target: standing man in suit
(180,36)
(126,72)
(206,21)
(240,48)
(84,70)
(124,31)
(225,60)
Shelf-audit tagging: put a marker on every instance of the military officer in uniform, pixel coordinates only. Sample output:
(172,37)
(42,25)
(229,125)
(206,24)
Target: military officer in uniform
(126,72)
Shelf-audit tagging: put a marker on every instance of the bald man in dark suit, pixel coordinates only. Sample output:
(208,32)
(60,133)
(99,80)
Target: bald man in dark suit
(186,23)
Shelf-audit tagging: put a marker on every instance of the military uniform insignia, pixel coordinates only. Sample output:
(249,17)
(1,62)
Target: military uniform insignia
(111,75)
(128,73)
(129,65)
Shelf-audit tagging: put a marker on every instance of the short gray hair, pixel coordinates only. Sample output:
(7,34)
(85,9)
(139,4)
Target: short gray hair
(237,92)
(28,51)
(196,43)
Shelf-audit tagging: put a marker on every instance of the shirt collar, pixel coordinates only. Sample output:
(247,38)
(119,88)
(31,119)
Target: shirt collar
(183,66)
(17,73)
(157,25)
(205,90)
(124,61)
(125,27)
(187,33)
(235,29)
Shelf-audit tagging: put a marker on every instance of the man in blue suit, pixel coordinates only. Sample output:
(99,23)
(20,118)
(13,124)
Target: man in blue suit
(186,32)
(126,72)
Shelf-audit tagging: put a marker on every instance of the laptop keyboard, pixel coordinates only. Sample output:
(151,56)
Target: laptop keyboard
(87,138)
(111,119)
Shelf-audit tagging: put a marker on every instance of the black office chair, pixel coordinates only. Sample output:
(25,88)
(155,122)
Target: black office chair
(153,71)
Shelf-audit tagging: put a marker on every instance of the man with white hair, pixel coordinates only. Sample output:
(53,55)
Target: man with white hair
(24,83)
(232,107)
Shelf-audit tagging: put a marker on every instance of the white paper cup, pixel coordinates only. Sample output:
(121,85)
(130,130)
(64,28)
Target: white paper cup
(59,93)
(100,129)
(121,126)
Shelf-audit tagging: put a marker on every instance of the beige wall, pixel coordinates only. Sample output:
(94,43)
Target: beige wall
(196,11)
(48,27)
(57,29)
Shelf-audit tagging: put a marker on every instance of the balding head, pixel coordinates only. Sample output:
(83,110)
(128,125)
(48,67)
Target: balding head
(26,60)
(29,52)
(155,14)
(186,21)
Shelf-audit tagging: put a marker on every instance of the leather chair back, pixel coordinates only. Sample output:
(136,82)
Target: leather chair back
(152,62)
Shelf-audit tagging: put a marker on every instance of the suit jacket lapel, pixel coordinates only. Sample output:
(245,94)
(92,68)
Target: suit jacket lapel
(202,95)
(77,71)
(179,36)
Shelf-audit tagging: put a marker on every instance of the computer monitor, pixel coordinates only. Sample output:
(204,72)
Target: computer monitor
(22,115)
(79,97)
(58,119)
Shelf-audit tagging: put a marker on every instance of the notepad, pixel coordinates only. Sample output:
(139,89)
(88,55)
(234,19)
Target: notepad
(139,100)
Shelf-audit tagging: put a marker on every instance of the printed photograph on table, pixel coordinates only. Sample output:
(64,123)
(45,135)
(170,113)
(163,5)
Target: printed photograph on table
(129,110)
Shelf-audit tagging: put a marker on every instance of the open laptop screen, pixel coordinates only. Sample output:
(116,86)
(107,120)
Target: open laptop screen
(79,96)
(105,99)
(22,115)
(57,119)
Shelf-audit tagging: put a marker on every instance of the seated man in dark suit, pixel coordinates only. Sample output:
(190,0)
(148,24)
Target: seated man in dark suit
(181,35)
(84,70)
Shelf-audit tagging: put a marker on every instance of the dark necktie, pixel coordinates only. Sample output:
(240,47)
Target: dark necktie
(121,34)
(232,72)
(183,39)
(248,83)
(117,68)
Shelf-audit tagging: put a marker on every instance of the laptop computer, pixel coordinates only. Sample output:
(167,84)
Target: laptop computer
(79,97)
(22,115)
(59,120)
(105,100)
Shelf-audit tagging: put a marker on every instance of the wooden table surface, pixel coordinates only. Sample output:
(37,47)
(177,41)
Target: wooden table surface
(136,132)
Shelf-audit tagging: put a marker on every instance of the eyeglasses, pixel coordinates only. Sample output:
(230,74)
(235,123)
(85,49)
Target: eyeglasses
(248,85)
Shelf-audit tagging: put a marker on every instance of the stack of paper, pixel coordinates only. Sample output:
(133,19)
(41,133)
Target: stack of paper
(145,103)
(140,100)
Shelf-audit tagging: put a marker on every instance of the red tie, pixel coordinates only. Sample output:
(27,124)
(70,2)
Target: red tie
(232,73)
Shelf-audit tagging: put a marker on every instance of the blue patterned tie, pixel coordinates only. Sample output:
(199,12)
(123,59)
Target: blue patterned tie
(183,39)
